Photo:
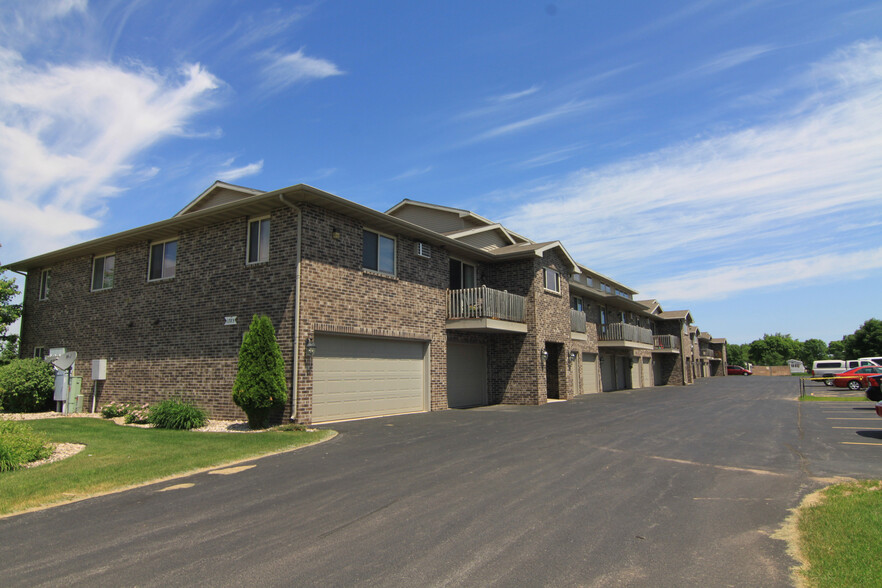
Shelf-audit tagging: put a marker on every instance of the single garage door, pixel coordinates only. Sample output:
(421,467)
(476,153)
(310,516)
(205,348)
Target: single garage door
(466,375)
(357,377)
(589,373)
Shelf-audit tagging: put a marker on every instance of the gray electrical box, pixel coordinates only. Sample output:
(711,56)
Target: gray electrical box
(99,369)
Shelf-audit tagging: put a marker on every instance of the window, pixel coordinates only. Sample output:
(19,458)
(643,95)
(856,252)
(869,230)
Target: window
(605,288)
(379,253)
(258,240)
(102,272)
(577,303)
(162,260)
(39,352)
(462,275)
(551,279)
(44,284)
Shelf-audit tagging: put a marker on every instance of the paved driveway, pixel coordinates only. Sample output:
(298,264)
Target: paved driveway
(658,487)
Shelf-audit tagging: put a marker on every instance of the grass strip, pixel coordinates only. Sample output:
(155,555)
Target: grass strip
(840,536)
(118,457)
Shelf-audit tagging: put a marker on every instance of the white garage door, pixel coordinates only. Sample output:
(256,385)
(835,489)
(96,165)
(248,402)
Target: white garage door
(356,377)
(589,373)
(466,375)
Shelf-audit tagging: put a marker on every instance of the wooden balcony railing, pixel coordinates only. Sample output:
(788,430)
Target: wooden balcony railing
(484,302)
(624,332)
(665,342)
(578,322)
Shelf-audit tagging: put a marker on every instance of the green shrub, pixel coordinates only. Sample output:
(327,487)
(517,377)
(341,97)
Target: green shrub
(115,409)
(137,415)
(260,383)
(19,444)
(26,385)
(175,413)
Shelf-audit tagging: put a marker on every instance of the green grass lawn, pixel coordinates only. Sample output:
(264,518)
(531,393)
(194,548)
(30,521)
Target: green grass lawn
(840,536)
(117,457)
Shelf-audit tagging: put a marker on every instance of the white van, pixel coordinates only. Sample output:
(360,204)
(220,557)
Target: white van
(827,368)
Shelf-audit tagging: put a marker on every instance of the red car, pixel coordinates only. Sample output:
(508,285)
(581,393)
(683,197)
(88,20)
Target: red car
(856,378)
(737,370)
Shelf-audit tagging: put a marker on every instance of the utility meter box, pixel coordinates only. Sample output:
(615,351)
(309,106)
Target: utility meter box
(99,369)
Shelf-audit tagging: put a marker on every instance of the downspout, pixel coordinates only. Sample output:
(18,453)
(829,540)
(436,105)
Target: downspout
(296,365)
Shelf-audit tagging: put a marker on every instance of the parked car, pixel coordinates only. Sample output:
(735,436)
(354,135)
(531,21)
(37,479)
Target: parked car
(737,370)
(857,378)
(874,389)
(874,360)
(827,368)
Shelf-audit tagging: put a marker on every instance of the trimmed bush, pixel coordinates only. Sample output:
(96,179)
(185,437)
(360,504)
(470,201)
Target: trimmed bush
(174,413)
(260,383)
(19,444)
(137,415)
(26,385)
(115,409)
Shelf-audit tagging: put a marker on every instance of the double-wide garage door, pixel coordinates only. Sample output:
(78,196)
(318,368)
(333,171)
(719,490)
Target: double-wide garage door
(357,377)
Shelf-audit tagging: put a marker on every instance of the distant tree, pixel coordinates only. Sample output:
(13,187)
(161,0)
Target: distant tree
(736,354)
(9,312)
(260,385)
(9,350)
(773,349)
(836,349)
(866,341)
(812,351)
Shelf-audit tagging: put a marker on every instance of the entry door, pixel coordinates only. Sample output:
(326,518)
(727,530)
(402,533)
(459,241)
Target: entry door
(621,373)
(647,373)
(466,375)
(608,372)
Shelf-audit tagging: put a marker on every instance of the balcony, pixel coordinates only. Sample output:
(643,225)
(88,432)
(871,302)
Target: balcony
(485,310)
(624,336)
(706,353)
(666,344)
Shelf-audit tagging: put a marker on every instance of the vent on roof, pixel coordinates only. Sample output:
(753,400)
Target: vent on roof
(423,250)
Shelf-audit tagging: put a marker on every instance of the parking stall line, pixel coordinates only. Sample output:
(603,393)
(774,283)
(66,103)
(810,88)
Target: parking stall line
(861,428)
(857,443)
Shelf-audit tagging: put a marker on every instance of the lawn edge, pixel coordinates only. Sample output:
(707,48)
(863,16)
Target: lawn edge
(64,502)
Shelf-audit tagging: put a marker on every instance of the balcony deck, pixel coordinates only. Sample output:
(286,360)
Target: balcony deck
(624,336)
(665,344)
(485,310)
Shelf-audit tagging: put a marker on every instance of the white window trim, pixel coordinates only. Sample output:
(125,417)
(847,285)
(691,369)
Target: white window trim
(248,241)
(545,271)
(92,273)
(47,274)
(150,259)
(378,271)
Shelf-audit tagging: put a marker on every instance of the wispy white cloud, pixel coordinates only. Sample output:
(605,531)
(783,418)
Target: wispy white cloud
(556,112)
(413,173)
(515,95)
(717,283)
(231,174)
(730,59)
(69,133)
(730,198)
(286,69)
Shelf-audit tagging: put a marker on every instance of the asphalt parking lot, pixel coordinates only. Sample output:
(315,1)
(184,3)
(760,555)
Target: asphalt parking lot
(657,487)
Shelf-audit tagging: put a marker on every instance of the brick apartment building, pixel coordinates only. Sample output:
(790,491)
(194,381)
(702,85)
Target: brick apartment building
(423,307)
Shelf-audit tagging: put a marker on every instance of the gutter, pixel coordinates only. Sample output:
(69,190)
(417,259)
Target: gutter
(296,360)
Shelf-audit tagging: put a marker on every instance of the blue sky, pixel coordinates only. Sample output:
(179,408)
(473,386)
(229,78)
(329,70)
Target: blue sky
(721,156)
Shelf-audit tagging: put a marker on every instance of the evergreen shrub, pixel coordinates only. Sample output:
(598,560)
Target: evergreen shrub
(260,385)
(20,444)
(26,385)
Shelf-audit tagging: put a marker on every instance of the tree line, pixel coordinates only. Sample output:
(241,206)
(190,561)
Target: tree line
(777,349)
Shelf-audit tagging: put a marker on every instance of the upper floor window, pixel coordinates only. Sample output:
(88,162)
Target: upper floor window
(102,272)
(462,275)
(605,288)
(44,284)
(578,304)
(378,253)
(162,260)
(551,279)
(258,240)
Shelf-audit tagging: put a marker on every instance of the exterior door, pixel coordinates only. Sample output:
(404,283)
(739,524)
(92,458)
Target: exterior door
(589,373)
(466,375)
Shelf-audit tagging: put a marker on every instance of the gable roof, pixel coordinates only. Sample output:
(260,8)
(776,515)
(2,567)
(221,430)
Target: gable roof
(535,249)
(496,227)
(676,314)
(218,193)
